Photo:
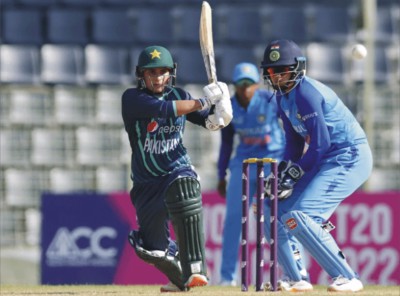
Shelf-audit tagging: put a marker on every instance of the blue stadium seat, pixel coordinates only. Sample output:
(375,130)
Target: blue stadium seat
(187,24)
(153,26)
(325,62)
(81,3)
(107,64)
(190,65)
(62,64)
(388,24)
(113,26)
(227,57)
(286,22)
(331,24)
(22,26)
(241,24)
(67,26)
(19,64)
(39,3)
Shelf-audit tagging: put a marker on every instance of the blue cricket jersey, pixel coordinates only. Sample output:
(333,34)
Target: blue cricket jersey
(155,132)
(312,113)
(257,127)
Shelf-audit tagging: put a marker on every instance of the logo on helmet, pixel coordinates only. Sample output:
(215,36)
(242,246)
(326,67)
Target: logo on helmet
(274,56)
(152,126)
(155,54)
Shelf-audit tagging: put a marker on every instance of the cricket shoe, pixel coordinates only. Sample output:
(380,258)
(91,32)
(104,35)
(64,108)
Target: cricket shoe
(196,280)
(342,284)
(170,287)
(292,286)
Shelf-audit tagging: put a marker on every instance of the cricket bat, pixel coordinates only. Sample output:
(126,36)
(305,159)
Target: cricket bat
(207,49)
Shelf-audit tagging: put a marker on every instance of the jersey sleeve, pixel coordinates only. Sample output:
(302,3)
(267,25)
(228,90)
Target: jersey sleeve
(196,117)
(310,108)
(225,151)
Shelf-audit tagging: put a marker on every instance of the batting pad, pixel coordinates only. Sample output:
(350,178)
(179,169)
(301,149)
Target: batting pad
(319,243)
(183,200)
(162,260)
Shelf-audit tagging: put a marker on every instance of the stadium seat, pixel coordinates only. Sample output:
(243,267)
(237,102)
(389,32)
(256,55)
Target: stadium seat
(286,22)
(62,64)
(19,64)
(331,24)
(153,26)
(108,107)
(186,25)
(112,179)
(190,65)
(63,180)
(23,187)
(67,26)
(14,147)
(113,26)
(73,106)
(239,24)
(81,3)
(52,147)
(22,26)
(325,62)
(38,3)
(107,65)
(97,146)
(228,57)
(30,106)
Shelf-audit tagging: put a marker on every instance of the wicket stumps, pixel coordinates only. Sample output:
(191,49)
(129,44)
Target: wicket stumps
(260,240)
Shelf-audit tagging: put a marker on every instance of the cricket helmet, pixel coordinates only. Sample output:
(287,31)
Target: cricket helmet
(155,57)
(280,57)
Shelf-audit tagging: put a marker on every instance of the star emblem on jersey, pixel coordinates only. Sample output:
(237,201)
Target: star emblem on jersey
(274,55)
(261,118)
(155,54)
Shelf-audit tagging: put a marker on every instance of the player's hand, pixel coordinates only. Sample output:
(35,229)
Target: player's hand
(221,187)
(286,181)
(290,176)
(224,109)
(216,92)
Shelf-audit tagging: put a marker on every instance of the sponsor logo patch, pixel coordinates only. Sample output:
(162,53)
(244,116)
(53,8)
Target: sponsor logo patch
(291,223)
(152,126)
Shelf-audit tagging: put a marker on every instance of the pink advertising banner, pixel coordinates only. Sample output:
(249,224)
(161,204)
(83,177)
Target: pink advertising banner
(366,230)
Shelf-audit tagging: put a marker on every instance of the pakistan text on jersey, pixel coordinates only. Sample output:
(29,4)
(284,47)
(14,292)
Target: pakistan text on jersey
(160,146)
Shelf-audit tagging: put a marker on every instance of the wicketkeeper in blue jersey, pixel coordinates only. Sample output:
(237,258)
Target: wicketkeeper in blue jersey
(166,187)
(256,127)
(327,157)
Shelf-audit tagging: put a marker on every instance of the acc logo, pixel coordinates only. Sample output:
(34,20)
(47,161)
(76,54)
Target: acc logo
(82,246)
(274,55)
(291,223)
(152,126)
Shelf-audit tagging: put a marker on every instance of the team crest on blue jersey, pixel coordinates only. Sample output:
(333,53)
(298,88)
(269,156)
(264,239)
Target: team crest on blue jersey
(152,126)
(261,118)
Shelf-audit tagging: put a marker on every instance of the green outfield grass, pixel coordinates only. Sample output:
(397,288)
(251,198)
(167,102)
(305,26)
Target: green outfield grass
(154,290)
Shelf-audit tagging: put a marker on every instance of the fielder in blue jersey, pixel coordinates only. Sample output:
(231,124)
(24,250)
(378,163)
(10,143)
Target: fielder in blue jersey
(327,158)
(165,185)
(255,123)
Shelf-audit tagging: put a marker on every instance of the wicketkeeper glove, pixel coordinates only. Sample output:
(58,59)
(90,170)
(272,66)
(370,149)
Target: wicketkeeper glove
(288,180)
